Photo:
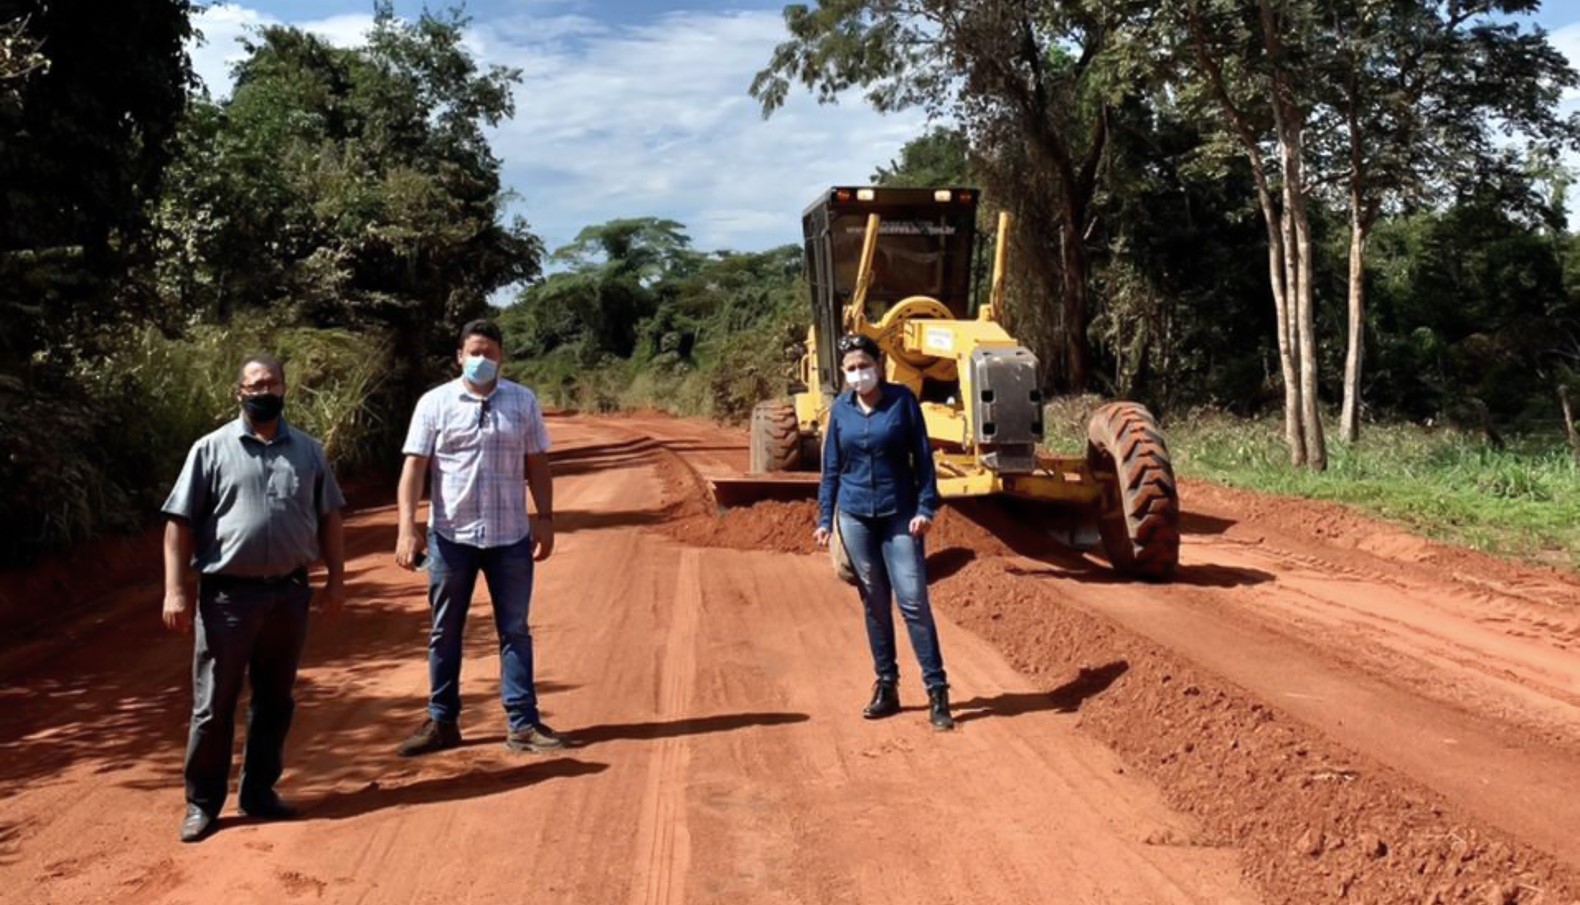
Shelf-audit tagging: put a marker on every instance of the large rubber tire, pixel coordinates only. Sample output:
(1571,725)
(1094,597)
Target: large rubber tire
(1140,518)
(776,437)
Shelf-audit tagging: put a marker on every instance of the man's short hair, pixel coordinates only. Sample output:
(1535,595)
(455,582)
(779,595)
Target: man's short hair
(481,327)
(274,365)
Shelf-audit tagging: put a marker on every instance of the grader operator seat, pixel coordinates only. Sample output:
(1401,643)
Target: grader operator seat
(926,246)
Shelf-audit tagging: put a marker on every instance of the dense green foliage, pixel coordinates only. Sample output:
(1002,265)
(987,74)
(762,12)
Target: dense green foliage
(640,319)
(343,207)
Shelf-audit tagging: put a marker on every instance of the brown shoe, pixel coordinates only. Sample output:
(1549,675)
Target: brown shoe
(431,736)
(536,737)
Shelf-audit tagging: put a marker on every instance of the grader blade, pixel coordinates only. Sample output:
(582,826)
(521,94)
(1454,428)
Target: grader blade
(744,490)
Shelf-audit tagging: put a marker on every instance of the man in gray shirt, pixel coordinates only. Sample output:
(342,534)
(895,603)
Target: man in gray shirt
(255,505)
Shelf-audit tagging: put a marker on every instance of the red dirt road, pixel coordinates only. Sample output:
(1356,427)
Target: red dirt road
(1320,710)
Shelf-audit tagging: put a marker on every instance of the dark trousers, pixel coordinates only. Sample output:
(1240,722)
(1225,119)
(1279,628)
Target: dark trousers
(244,630)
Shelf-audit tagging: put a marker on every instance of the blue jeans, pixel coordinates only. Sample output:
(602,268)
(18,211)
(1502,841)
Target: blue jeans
(890,563)
(452,575)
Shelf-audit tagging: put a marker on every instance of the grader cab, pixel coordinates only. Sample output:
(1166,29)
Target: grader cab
(897,265)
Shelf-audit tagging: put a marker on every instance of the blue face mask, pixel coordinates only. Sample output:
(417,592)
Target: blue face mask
(480,370)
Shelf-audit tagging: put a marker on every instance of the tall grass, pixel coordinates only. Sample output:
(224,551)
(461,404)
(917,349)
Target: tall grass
(723,382)
(188,385)
(1522,501)
(95,451)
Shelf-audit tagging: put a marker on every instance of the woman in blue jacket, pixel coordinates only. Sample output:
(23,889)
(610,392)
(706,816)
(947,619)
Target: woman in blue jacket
(878,480)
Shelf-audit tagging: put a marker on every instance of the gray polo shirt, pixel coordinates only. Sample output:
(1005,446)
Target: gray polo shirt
(254,506)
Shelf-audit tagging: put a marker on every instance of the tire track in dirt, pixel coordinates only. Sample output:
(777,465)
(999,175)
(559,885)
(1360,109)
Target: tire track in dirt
(1119,743)
(1365,728)
(662,834)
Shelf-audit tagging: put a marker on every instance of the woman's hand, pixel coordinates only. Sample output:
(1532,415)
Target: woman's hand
(822,536)
(921,525)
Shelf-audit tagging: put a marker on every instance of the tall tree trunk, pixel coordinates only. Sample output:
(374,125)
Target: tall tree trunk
(1077,361)
(1362,216)
(1569,421)
(1283,254)
(1277,270)
(1349,416)
(1289,124)
(1298,256)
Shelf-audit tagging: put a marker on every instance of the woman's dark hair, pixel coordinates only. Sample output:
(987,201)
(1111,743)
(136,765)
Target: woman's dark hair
(856,342)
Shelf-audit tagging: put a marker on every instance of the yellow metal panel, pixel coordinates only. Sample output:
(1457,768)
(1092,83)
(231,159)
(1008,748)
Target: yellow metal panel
(959,477)
(983,483)
(1051,487)
(811,409)
(944,423)
(953,339)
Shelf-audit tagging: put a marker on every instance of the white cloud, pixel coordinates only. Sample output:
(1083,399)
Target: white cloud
(655,119)
(625,121)
(224,25)
(346,30)
(221,28)
(1567,42)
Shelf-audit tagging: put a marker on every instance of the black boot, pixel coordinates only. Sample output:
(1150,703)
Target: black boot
(885,701)
(938,706)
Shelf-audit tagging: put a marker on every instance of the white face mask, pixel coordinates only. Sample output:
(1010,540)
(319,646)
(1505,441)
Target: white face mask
(862,380)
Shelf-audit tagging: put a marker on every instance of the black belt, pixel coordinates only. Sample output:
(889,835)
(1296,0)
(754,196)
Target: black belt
(220,581)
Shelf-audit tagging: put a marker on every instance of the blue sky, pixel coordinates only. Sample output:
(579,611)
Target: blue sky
(630,108)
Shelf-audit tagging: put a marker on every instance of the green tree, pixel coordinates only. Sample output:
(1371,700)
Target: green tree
(938,157)
(1034,82)
(1423,88)
(1471,314)
(613,282)
(91,96)
(84,140)
(1250,67)
(349,187)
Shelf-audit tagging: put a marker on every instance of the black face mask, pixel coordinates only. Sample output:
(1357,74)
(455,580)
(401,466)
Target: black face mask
(263,408)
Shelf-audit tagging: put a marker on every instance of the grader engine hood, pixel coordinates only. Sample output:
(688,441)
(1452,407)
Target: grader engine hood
(1005,408)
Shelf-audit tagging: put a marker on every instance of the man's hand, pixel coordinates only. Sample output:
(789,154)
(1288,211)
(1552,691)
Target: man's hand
(822,536)
(407,546)
(543,539)
(178,610)
(921,525)
(331,598)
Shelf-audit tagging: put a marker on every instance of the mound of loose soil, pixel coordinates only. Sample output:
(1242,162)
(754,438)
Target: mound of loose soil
(1315,822)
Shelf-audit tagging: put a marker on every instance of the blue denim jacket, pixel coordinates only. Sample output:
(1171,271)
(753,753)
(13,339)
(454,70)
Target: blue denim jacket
(877,464)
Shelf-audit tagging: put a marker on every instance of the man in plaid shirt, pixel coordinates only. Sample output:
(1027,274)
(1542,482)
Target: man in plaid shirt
(480,439)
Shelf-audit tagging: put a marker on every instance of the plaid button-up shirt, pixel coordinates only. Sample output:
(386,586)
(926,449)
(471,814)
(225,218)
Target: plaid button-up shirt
(476,449)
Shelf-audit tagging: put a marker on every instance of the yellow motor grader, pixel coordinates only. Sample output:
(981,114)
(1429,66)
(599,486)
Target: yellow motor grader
(896,264)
